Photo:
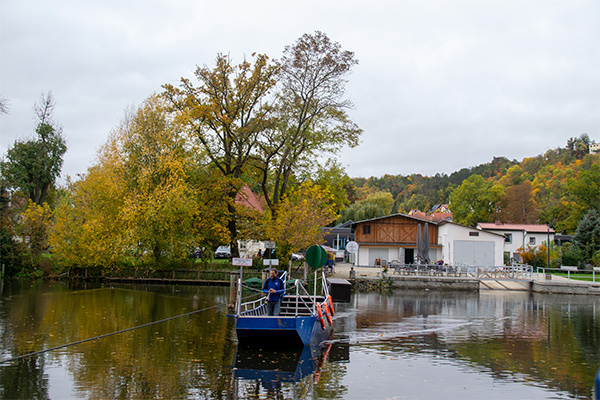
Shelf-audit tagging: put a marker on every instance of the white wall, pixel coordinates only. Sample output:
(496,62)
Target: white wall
(521,239)
(365,254)
(450,233)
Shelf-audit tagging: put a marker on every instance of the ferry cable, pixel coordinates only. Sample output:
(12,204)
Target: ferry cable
(9,360)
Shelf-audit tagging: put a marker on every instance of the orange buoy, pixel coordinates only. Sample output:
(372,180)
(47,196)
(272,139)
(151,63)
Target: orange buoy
(331,305)
(327,313)
(320,313)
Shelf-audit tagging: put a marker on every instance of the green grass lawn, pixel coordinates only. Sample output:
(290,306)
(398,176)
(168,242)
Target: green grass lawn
(579,276)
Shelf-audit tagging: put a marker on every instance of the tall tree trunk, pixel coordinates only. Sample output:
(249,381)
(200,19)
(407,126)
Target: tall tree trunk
(232,225)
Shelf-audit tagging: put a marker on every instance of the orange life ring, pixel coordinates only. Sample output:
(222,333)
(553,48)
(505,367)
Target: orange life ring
(327,313)
(331,305)
(320,313)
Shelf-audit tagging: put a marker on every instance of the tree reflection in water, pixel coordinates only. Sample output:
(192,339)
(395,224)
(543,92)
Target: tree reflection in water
(552,342)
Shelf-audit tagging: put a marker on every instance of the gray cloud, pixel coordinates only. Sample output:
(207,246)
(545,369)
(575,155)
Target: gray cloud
(441,85)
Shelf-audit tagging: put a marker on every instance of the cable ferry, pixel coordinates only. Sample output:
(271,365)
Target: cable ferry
(304,318)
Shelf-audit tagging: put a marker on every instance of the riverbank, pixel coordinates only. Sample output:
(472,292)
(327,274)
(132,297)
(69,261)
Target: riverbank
(370,278)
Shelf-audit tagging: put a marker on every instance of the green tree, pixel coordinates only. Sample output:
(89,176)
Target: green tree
(475,200)
(375,205)
(333,177)
(585,188)
(587,235)
(9,248)
(33,165)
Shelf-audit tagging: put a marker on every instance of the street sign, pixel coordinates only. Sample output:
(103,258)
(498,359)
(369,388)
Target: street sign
(269,244)
(241,262)
(315,256)
(352,247)
(269,262)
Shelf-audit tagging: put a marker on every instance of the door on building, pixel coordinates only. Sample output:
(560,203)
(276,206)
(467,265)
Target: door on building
(480,254)
(409,256)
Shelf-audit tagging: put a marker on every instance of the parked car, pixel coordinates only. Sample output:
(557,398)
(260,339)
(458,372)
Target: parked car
(223,252)
(297,257)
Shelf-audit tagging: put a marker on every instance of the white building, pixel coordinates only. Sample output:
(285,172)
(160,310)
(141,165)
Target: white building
(463,245)
(394,238)
(517,236)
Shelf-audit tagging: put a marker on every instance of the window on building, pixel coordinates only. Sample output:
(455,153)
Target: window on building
(242,244)
(473,233)
(531,240)
(366,229)
(508,238)
(507,258)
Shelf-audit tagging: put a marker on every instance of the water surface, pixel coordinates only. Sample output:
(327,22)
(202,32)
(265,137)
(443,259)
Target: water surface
(403,345)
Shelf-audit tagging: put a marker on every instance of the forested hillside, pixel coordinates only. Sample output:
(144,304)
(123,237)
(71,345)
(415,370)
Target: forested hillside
(557,187)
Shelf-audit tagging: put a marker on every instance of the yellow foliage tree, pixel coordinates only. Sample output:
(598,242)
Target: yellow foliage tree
(300,216)
(145,198)
(34,227)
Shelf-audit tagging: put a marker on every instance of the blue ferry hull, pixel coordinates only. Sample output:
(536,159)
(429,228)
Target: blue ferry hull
(294,331)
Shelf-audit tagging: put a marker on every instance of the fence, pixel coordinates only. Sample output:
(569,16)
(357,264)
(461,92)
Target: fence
(467,271)
(595,271)
(171,274)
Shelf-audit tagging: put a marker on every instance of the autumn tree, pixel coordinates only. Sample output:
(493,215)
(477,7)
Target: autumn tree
(310,111)
(145,198)
(301,214)
(88,229)
(32,165)
(34,228)
(518,206)
(226,113)
(475,200)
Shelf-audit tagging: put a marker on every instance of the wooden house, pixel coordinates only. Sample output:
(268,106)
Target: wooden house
(393,237)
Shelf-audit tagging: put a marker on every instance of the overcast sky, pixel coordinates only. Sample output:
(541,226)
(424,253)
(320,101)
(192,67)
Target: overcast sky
(441,85)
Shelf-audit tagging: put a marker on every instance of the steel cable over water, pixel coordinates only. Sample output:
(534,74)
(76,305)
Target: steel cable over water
(9,360)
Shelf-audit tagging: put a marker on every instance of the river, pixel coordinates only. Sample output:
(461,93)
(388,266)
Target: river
(397,345)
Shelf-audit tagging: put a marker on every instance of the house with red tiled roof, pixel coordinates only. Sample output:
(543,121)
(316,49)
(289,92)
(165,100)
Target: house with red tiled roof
(246,197)
(517,236)
(436,217)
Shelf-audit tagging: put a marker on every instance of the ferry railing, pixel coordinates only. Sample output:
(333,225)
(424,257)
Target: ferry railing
(252,304)
(297,286)
(325,287)
(299,298)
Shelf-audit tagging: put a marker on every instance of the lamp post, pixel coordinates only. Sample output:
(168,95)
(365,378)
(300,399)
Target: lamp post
(548,246)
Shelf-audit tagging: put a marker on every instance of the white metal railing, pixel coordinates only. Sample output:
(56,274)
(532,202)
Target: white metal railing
(520,271)
(297,286)
(569,269)
(252,304)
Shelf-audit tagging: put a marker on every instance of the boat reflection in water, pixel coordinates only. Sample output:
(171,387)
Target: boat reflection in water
(277,370)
